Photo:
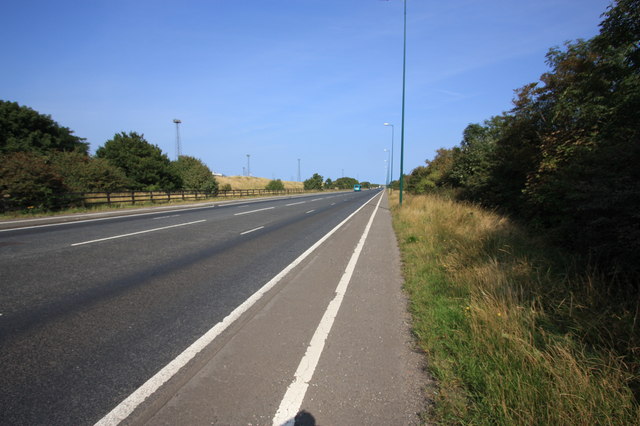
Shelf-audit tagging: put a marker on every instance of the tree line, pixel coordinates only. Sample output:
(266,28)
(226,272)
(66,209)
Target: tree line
(42,163)
(316,183)
(566,158)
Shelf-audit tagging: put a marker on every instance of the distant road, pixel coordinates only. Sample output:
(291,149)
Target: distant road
(90,310)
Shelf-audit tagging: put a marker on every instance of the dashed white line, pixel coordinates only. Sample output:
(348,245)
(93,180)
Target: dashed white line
(294,204)
(165,217)
(310,211)
(251,230)
(253,211)
(316,199)
(136,233)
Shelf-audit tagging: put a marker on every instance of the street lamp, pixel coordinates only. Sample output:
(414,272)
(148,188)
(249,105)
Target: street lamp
(391,162)
(248,165)
(388,163)
(404,75)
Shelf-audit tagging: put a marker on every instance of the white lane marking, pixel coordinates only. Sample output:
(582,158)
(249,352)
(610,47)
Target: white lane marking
(316,199)
(128,405)
(136,233)
(73,222)
(251,230)
(298,388)
(310,211)
(293,204)
(165,217)
(333,204)
(253,211)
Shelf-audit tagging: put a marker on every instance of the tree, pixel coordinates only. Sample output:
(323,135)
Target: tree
(313,183)
(81,173)
(195,175)
(24,130)
(328,184)
(345,183)
(425,178)
(275,185)
(143,163)
(27,181)
(566,156)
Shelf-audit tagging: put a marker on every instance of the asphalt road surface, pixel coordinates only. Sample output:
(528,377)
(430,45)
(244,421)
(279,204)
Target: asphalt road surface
(92,310)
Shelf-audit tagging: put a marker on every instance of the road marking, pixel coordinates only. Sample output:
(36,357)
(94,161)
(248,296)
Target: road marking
(73,222)
(128,405)
(136,233)
(253,211)
(298,388)
(310,211)
(293,204)
(251,230)
(165,217)
(316,199)
(333,204)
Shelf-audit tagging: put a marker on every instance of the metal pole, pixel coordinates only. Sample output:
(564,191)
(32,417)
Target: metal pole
(248,165)
(298,170)
(178,147)
(388,164)
(404,74)
(392,137)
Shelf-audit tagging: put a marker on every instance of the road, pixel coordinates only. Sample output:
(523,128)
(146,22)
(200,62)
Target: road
(92,310)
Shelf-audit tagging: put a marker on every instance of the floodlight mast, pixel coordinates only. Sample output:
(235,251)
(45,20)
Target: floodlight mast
(178,147)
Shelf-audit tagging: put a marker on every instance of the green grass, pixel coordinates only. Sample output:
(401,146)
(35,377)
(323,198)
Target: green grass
(512,331)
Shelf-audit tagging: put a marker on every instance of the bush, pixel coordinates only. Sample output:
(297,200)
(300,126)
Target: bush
(27,181)
(275,185)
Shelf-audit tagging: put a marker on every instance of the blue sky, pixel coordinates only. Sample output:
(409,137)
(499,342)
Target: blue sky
(281,80)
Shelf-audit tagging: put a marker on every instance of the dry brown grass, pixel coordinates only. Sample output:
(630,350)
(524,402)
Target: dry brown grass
(250,182)
(513,337)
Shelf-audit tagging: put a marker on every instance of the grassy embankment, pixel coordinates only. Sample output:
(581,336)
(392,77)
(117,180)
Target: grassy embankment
(512,333)
(250,182)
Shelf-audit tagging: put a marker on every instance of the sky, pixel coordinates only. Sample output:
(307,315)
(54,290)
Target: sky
(282,80)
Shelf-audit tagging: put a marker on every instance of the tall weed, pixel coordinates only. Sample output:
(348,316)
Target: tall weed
(513,331)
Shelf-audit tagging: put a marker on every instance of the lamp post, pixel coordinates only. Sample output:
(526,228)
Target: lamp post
(391,161)
(298,170)
(388,162)
(178,147)
(404,74)
(248,165)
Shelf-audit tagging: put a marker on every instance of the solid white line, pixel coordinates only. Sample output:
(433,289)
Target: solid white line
(251,230)
(293,204)
(253,211)
(126,407)
(298,388)
(310,211)
(136,233)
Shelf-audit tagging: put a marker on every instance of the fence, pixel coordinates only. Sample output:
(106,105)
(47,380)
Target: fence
(133,197)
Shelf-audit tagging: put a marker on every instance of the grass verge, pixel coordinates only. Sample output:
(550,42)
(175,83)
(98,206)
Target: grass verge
(513,332)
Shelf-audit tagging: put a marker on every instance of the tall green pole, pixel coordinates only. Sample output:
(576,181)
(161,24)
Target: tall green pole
(404,73)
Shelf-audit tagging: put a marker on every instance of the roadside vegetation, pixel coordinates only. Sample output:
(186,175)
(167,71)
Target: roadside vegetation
(565,159)
(514,329)
(521,246)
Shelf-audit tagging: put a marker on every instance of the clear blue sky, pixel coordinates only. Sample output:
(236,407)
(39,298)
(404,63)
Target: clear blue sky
(281,79)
